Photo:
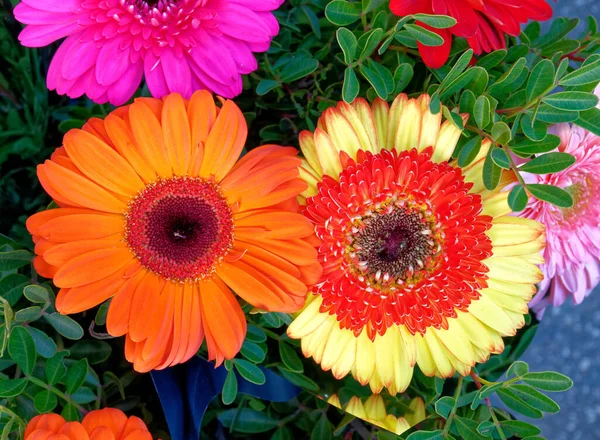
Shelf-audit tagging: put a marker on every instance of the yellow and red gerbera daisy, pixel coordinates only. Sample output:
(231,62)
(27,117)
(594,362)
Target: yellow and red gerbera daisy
(102,424)
(373,410)
(421,264)
(156,214)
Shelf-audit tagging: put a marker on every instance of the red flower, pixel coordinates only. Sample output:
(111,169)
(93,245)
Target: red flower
(482,22)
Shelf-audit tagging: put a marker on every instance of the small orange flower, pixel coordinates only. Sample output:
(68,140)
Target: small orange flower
(102,424)
(156,213)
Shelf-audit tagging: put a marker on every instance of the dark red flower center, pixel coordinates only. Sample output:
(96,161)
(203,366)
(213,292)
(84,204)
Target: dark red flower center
(180,228)
(403,242)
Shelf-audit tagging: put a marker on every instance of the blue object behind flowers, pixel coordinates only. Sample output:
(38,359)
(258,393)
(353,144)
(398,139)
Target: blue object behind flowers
(185,391)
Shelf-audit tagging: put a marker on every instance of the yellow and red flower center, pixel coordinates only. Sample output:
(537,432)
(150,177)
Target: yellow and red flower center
(180,228)
(403,242)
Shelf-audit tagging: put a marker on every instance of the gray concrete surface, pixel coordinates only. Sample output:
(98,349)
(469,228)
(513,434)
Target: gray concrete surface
(568,341)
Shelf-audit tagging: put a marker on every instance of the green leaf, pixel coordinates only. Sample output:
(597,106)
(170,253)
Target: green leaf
(371,5)
(348,43)
(486,428)
(548,163)
(572,100)
(253,352)
(588,74)
(282,433)
(351,86)
(424,36)
(551,194)
(436,21)
(402,76)
(30,314)
(517,198)
(514,402)
(541,80)
(546,113)
(518,368)
(369,42)
(524,342)
(45,346)
(266,85)
(55,368)
(12,387)
(507,81)
(459,67)
(83,395)
(426,435)
(590,120)
(230,388)
(14,259)
(535,399)
(342,13)
(36,294)
(536,131)
(247,421)
(482,112)
(467,428)
(21,349)
(444,406)
(94,351)
(322,430)
(76,375)
(300,380)
(313,20)
(491,172)
(370,73)
(255,334)
(249,371)
(45,401)
(289,358)
(70,413)
(548,381)
(65,325)
(500,158)
(100,318)
(528,147)
(519,428)
(492,59)
(501,133)
(12,286)
(298,67)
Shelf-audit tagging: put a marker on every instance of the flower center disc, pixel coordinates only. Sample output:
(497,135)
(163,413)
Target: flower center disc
(402,242)
(180,228)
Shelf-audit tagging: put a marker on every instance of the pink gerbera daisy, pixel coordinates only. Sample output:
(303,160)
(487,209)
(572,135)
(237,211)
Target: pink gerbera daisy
(572,251)
(178,45)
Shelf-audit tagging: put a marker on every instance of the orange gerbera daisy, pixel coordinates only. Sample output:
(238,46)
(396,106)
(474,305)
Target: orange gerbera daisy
(102,424)
(155,213)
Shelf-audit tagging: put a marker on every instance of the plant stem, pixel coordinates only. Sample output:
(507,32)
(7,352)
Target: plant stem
(59,393)
(488,403)
(454,408)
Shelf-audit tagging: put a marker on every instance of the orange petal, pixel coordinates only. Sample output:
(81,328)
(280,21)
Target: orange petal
(225,142)
(148,136)
(36,221)
(181,325)
(60,254)
(162,329)
(82,298)
(101,163)
(122,138)
(145,303)
(96,127)
(296,251)
(113,419)
(275,224)
(134,425)
(43,268)
(49,422)
(289,190)
(74,227)
(223,320)
(138,435)
(53,192)
(176,133)
(92,266)
(80,190)
(196,330)
(258,252)
(119,311)
(46,435)
(74,431)
(255,287)
(102,433)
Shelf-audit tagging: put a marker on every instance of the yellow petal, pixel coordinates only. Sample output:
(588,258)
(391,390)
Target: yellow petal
(363,110)
(365,359)
(424,358)
(430,124)
(308,320)
(439,355)
(496,205)
(488,312)
(456,342)
(329,157)
(307,145)
(509,233)
(408,133)
(447,140)
(507,302)
(384,358)
(380,116)
(393,124)
(513,269)
(346,359)
(364,134)
(356,408)
(375,408)
(416,412)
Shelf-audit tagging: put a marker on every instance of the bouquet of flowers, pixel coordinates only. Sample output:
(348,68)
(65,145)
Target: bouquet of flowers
(290,219)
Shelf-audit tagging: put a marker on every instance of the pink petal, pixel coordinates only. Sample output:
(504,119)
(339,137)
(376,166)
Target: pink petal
(112,62)
(123,89)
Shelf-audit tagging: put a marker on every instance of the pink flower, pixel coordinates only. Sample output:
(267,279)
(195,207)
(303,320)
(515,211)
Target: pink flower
(572,251)
(178,45)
